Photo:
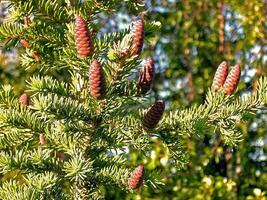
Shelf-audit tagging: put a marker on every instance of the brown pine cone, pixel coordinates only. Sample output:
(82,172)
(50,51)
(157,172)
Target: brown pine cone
(83,38)
(42,139)
(24,100)
(24,43)
(146,76)
(232,80)
(138,36)
(153,116)
(220,76)
(136,178)
(97,80)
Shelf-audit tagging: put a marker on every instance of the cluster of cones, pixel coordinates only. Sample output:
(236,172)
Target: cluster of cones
(226,81)
(85,48)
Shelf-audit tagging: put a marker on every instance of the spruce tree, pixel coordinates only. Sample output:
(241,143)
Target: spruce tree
(70,134)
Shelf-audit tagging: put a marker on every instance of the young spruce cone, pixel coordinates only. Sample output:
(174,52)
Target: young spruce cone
(153,116)
(83,38)
(136,178)
(37,56)
(24,43)
(138,36)
(97,80)
(232,80)
(42,139)
(146,76)
(24,100)
(27,21)
(220,76)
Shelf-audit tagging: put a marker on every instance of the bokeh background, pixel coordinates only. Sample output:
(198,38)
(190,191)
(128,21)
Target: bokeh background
(195,37)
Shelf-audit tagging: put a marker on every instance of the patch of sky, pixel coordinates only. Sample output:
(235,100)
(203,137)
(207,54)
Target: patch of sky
(233,29)
(161,59)
(157,6)
(121,20)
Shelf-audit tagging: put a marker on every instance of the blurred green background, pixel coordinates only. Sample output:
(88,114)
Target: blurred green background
(196,35)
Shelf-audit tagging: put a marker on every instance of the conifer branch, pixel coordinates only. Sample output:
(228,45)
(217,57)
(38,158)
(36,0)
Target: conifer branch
(88,130)
(218,113)
(46,85)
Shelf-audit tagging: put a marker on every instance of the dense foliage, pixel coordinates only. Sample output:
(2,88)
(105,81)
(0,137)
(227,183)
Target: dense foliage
(79,141)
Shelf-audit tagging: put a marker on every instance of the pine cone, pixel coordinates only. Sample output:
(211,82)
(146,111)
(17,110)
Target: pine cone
(97,81)
(146,76)
(83,38)
(136,178)
(220,76)
(24,100)
(153,116)
(232,80)
(42,139)
(138,36)
(24,43)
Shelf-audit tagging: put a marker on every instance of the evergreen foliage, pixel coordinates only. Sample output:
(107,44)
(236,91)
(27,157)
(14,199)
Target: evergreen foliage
(87,139)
